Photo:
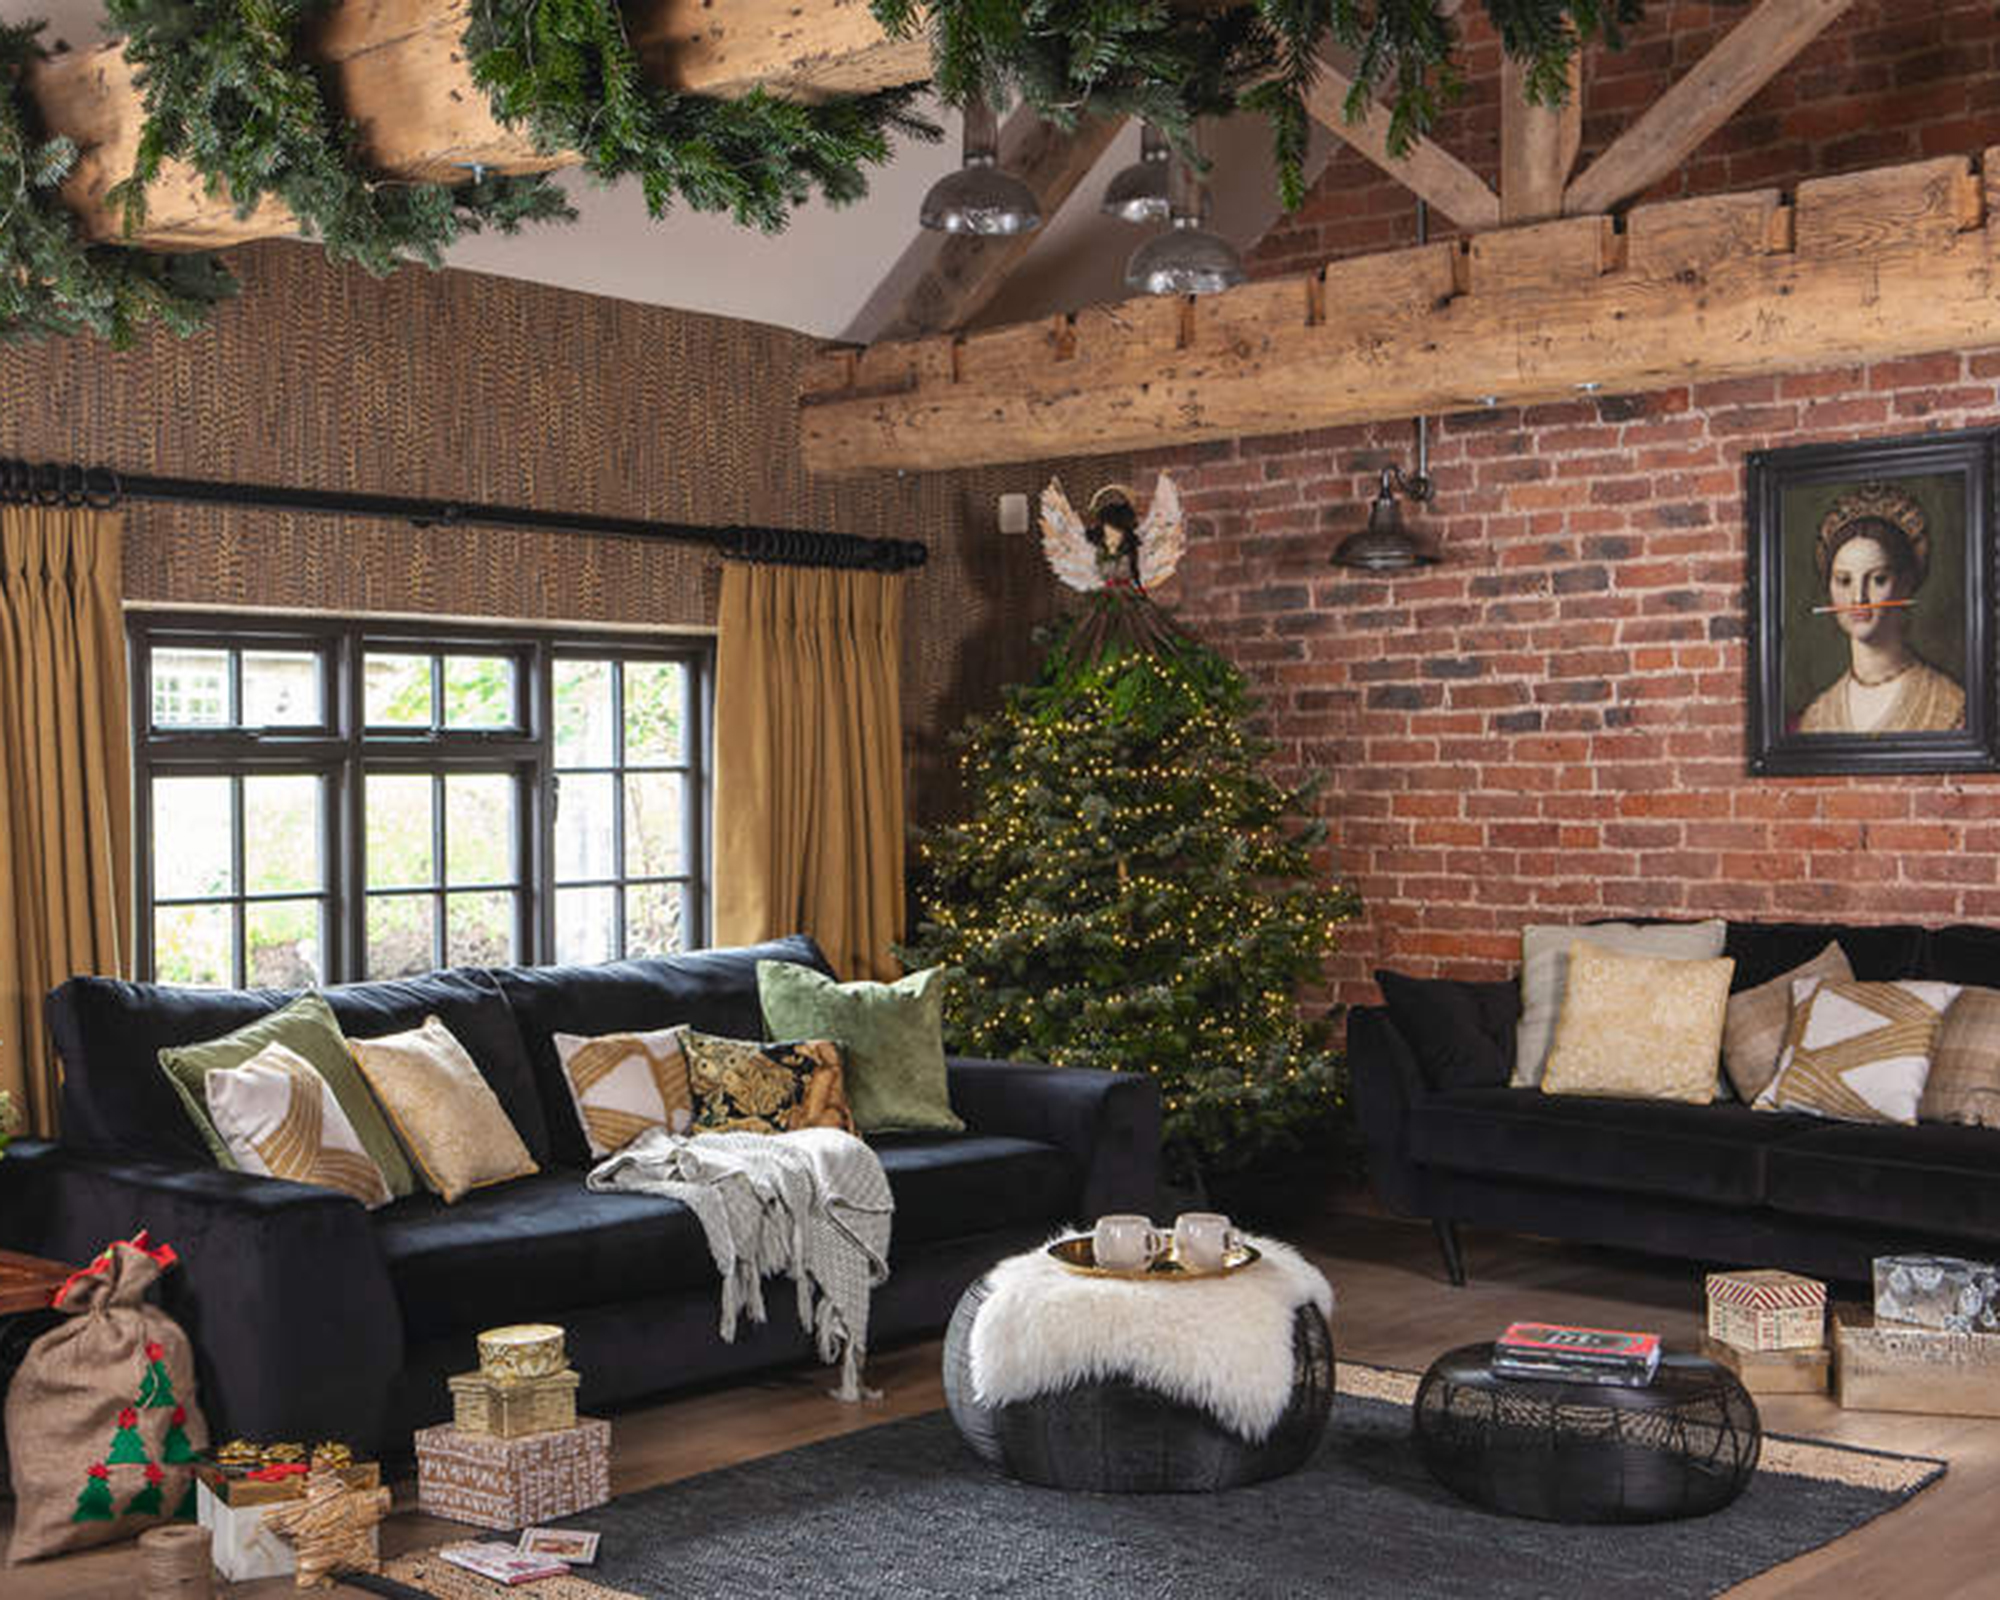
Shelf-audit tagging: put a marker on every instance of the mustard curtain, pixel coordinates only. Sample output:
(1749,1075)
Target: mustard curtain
(809,762)
(65,780)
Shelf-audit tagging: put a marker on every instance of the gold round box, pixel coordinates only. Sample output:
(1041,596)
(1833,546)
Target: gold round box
(523,1350)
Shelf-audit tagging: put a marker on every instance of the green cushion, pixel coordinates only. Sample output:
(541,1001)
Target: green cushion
(893,1034)
(306,1025)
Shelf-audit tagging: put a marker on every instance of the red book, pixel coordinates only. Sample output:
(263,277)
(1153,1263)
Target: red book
(1545,1339)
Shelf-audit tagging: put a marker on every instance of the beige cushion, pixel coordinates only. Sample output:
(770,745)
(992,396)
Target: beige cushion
(1858,1052)
(1758,1018)
(1964,1085)
(1545,966)
(280,1118)
(442,1110)
(624,1083)
(1638,1027)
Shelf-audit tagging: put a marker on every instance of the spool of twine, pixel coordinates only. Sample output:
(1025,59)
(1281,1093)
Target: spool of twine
(174,1562)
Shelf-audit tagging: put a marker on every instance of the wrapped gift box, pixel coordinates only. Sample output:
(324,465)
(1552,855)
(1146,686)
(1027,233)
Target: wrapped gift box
(513,1483)
(1798,1371)
(1889,1366)
(1766,1310)
(233,1508)
(1938,1292)
(513,1407)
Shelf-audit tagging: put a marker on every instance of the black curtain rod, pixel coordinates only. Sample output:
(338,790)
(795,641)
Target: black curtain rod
(46,483)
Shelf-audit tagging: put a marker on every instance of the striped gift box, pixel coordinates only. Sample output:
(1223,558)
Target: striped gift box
(1766,1310)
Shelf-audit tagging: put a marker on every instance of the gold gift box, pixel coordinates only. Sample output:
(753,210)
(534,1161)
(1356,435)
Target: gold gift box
(484,1404)
(1796,1371)
(522,1350)
(1896,1366)
(235,1490)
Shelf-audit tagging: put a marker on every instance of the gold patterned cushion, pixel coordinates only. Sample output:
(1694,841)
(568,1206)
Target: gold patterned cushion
(1964,1085)
(1545,951)
(448,1119)
(279,1117)
(1639,1027)
(1858,1052)
(741,1087)
(624,1083)
(1758,1018)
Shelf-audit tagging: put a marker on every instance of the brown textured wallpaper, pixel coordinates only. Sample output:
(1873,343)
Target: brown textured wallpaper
(459,385)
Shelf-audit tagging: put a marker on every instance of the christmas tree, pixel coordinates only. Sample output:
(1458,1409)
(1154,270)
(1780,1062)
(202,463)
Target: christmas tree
(94,1504)
(1134,891)
(175,1450)
(126,1445)
(147,1502)
(156,1388)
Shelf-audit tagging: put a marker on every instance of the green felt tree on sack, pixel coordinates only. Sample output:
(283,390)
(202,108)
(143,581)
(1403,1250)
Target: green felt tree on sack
(1133,890)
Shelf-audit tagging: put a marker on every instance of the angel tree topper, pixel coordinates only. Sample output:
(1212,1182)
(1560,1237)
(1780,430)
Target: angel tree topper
(1115,550)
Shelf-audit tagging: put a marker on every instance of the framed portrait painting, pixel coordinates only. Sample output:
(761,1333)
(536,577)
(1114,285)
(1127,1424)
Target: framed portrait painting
(1871,598)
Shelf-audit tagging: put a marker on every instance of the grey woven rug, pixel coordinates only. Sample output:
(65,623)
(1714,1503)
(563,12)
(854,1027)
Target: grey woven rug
(904,1512)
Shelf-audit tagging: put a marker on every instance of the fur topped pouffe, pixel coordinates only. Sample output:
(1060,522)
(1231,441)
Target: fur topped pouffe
(1222,1343)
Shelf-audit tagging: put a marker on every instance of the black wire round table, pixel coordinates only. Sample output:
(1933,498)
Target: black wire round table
(1684,1445)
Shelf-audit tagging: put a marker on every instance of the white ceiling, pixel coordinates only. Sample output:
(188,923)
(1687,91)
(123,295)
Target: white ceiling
(820,274)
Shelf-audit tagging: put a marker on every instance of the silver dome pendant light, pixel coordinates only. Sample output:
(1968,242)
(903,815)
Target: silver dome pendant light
(1187,258)
(979,198)
(1138,193)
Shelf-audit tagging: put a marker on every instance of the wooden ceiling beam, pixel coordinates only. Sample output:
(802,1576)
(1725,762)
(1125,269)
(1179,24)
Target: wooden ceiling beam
(1670,130)
(1538,144)
(1901,261)
(399,69)
(952,277)
(1429,171)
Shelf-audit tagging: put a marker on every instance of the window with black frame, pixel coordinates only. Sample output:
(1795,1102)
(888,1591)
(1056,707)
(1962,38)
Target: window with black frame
(326,801)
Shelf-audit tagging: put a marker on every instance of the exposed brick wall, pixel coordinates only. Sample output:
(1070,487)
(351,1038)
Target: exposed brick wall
(1550,725)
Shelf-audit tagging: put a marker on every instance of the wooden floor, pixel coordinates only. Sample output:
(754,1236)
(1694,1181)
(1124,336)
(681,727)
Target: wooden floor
(1394,1309)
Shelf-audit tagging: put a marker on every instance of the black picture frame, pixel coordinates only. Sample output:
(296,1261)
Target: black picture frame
(1806,690)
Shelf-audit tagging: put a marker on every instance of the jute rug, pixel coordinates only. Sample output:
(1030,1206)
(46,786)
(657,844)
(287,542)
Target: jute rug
(905,1512)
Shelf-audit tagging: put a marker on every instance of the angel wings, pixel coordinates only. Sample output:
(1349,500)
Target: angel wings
(1110,550)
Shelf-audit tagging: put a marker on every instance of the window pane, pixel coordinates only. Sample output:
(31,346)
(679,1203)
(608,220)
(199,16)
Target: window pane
(653,920)
(479,692)
(586,924)
(586,846)
(399,935)
(398,692)
(281,943)
(191,854)
(652,824)
(281,689)
(399,830)
(191,944)
(583,714)
(190,687)
(479,930)
(479,828)
(655,692)
(282,834)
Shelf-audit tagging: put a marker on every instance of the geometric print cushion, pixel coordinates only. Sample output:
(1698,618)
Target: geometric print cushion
(279,1119)
(625,1083)
(1858,1052)
(741,1087)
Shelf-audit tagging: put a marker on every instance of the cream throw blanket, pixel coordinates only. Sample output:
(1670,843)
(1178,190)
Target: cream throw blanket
(813,1204)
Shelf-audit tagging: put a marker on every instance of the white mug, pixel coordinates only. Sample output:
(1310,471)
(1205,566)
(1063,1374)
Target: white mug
(1203,1240)
(1125,1243)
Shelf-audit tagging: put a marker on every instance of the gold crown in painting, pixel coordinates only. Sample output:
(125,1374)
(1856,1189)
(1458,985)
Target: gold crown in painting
(1876,502)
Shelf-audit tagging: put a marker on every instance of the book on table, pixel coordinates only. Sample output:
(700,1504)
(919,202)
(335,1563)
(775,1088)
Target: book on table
(1555,1350)
(502,1562)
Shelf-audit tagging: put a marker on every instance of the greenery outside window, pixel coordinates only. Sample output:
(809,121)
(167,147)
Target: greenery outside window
(326,801)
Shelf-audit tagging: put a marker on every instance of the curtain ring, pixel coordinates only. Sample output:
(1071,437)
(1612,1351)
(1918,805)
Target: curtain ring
(106,499)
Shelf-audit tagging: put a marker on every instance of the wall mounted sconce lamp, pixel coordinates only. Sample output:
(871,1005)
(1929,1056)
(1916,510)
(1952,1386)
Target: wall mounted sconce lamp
(1385,545)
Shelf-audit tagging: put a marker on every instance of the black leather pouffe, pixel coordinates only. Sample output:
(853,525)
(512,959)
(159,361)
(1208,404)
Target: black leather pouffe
(1116,1437)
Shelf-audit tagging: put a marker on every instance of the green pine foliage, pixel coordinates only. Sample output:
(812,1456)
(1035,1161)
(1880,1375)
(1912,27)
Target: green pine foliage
(1133,891)
(226,90)
(53,282)
(1171,64)
(566,71)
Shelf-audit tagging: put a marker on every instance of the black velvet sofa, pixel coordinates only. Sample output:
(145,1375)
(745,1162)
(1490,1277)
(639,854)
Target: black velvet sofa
(312,1318)
(1446,1138)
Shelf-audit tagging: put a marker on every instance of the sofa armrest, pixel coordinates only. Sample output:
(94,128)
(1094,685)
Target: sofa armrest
(1385,1083)
(281,1286)
(1107,1123)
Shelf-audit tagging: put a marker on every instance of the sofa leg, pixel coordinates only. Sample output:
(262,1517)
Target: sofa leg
(1454,1258)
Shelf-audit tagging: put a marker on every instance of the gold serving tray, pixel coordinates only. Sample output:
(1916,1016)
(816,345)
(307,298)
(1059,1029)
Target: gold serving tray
(1080,1255)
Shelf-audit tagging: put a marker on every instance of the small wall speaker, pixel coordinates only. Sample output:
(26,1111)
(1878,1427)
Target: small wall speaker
(1012,513)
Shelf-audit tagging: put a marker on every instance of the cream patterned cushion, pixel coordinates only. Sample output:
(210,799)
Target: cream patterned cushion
(624,1083)
(1545,967)
(1755,1032)
(448,1119)
(279,1117)
(1858,1052)
(1639,1027)
(1964,1085)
